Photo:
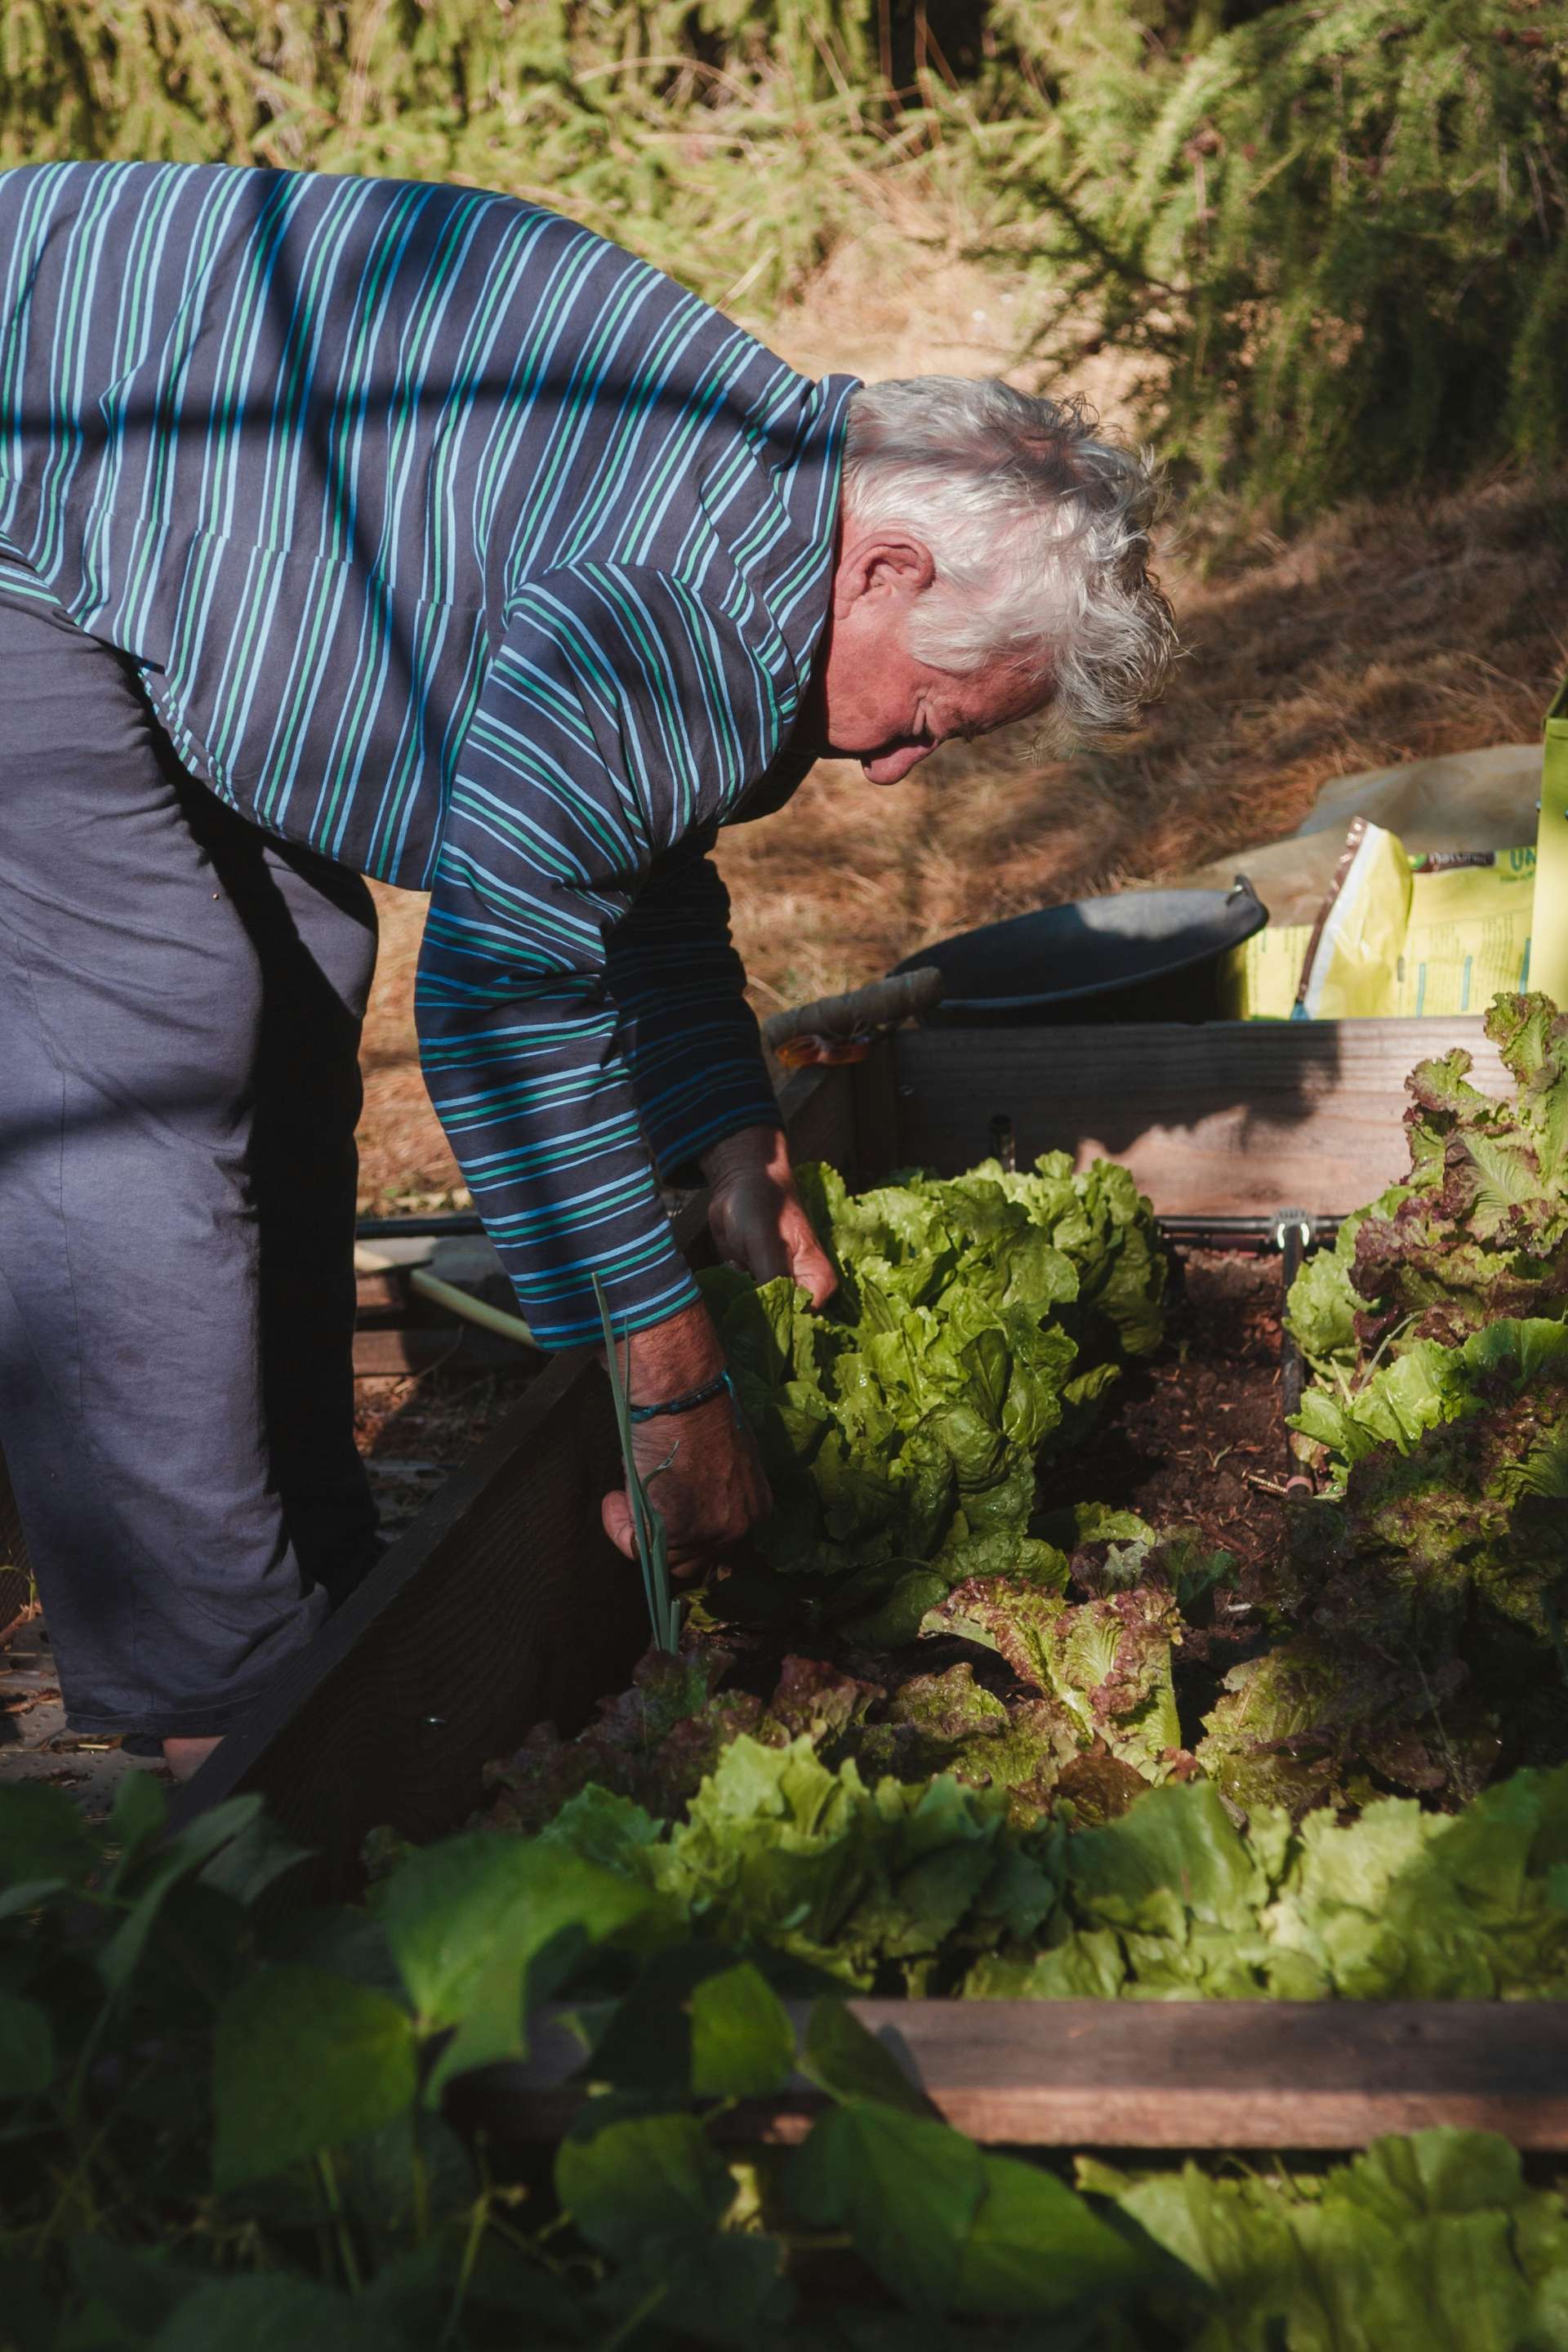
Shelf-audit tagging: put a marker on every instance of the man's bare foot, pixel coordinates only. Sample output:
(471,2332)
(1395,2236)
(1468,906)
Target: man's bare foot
(184,1757)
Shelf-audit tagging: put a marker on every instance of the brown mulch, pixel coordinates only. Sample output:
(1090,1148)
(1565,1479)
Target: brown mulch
(415,1431)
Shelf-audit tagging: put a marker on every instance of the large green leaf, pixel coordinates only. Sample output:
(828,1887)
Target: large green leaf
(907,2189)
(151,1866)
(743,2043)
(26,2048)
(136,1822)
(449,1910)
(30,2309)
(494,2024)
(42,1839)
(273,2312)
(719,2287)
(850,2063)
(304,2060)
(646,2176)
(1035,2248)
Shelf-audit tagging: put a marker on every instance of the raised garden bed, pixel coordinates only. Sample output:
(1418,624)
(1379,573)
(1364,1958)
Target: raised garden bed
(599,2084)
(503,1606)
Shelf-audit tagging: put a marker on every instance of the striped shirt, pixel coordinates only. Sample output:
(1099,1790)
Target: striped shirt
(449,539)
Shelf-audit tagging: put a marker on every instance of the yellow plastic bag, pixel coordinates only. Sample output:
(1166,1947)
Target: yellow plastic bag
(1470,929)
(1258,980)
(1353,960)
(1442,940)
(1461,928)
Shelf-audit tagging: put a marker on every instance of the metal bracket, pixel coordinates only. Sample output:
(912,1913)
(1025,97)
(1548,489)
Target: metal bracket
(1299,1225)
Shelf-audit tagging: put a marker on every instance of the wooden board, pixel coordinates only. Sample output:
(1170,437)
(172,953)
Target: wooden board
(393,1353)
(1229,1117)
(15,1568)
(502,1605)
(1151,2075)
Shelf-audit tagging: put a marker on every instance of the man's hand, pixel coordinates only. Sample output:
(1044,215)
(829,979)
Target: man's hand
(755,1214)
(700,1469)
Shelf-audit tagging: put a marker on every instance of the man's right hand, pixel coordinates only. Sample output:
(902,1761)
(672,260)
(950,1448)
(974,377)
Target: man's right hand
(700,1469)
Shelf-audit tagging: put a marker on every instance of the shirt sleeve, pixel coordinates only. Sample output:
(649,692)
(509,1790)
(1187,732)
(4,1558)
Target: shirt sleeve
(691,1039)
(620,714)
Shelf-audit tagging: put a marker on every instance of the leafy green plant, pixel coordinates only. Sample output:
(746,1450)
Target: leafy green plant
(1418,1610)
(225,2121)
(979,1319)
(219,2126)
(1368,2255)
(1478,1229)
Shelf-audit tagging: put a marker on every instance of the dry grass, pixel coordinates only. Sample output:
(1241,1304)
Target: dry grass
(1387,633)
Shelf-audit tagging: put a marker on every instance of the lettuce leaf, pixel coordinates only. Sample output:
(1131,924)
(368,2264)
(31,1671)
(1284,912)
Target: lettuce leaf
(1433,2239)
(1445,1478)
(1477,1231)
(979,1319)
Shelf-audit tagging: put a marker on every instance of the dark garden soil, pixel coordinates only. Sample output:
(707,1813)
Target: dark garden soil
(1177,1440)
(415,1431)
(1180,1434)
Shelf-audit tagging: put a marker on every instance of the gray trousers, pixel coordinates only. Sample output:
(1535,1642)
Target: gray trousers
(180,1006)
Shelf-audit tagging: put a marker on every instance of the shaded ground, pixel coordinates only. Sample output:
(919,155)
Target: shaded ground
(414,1432)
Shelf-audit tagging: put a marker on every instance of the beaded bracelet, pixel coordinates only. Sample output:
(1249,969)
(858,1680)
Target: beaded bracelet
(694,1398)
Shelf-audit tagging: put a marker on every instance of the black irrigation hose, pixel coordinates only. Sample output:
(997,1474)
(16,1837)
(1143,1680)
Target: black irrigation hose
(1255,1232)
(453,1221)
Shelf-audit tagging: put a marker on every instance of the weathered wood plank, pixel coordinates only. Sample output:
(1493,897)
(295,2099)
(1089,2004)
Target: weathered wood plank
(1225,1118)
(503,1604)
(1155,2074)
(817,1110)
(392,1354)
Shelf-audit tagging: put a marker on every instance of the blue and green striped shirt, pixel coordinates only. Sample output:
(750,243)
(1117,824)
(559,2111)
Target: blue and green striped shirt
(453,541)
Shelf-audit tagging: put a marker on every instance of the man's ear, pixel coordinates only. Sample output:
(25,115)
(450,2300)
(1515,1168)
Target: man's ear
(887,564)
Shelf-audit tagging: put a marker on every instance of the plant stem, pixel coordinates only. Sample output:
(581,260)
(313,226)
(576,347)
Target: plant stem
(346,2255)
(634,2318)
(647,1526)
(421,2188)
(477,2218)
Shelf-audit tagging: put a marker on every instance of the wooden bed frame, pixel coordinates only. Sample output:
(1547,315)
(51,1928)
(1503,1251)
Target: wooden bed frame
(503,1605)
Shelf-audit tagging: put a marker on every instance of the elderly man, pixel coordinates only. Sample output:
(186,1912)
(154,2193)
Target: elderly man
(350,527)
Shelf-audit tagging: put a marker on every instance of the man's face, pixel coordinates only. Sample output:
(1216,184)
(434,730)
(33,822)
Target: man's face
(873,701)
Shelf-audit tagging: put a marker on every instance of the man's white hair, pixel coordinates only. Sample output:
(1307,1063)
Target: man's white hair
(1040,534)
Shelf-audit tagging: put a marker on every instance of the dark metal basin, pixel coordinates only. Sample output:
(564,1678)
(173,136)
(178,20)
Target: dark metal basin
(1145,955)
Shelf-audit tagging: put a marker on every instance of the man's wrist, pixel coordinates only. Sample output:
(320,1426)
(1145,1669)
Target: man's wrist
(672,1357)
(749,1151)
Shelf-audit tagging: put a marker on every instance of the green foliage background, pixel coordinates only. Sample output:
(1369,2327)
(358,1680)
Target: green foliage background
(1332,229)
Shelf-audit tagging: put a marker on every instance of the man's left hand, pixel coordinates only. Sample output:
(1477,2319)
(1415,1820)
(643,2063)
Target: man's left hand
(755,1214)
